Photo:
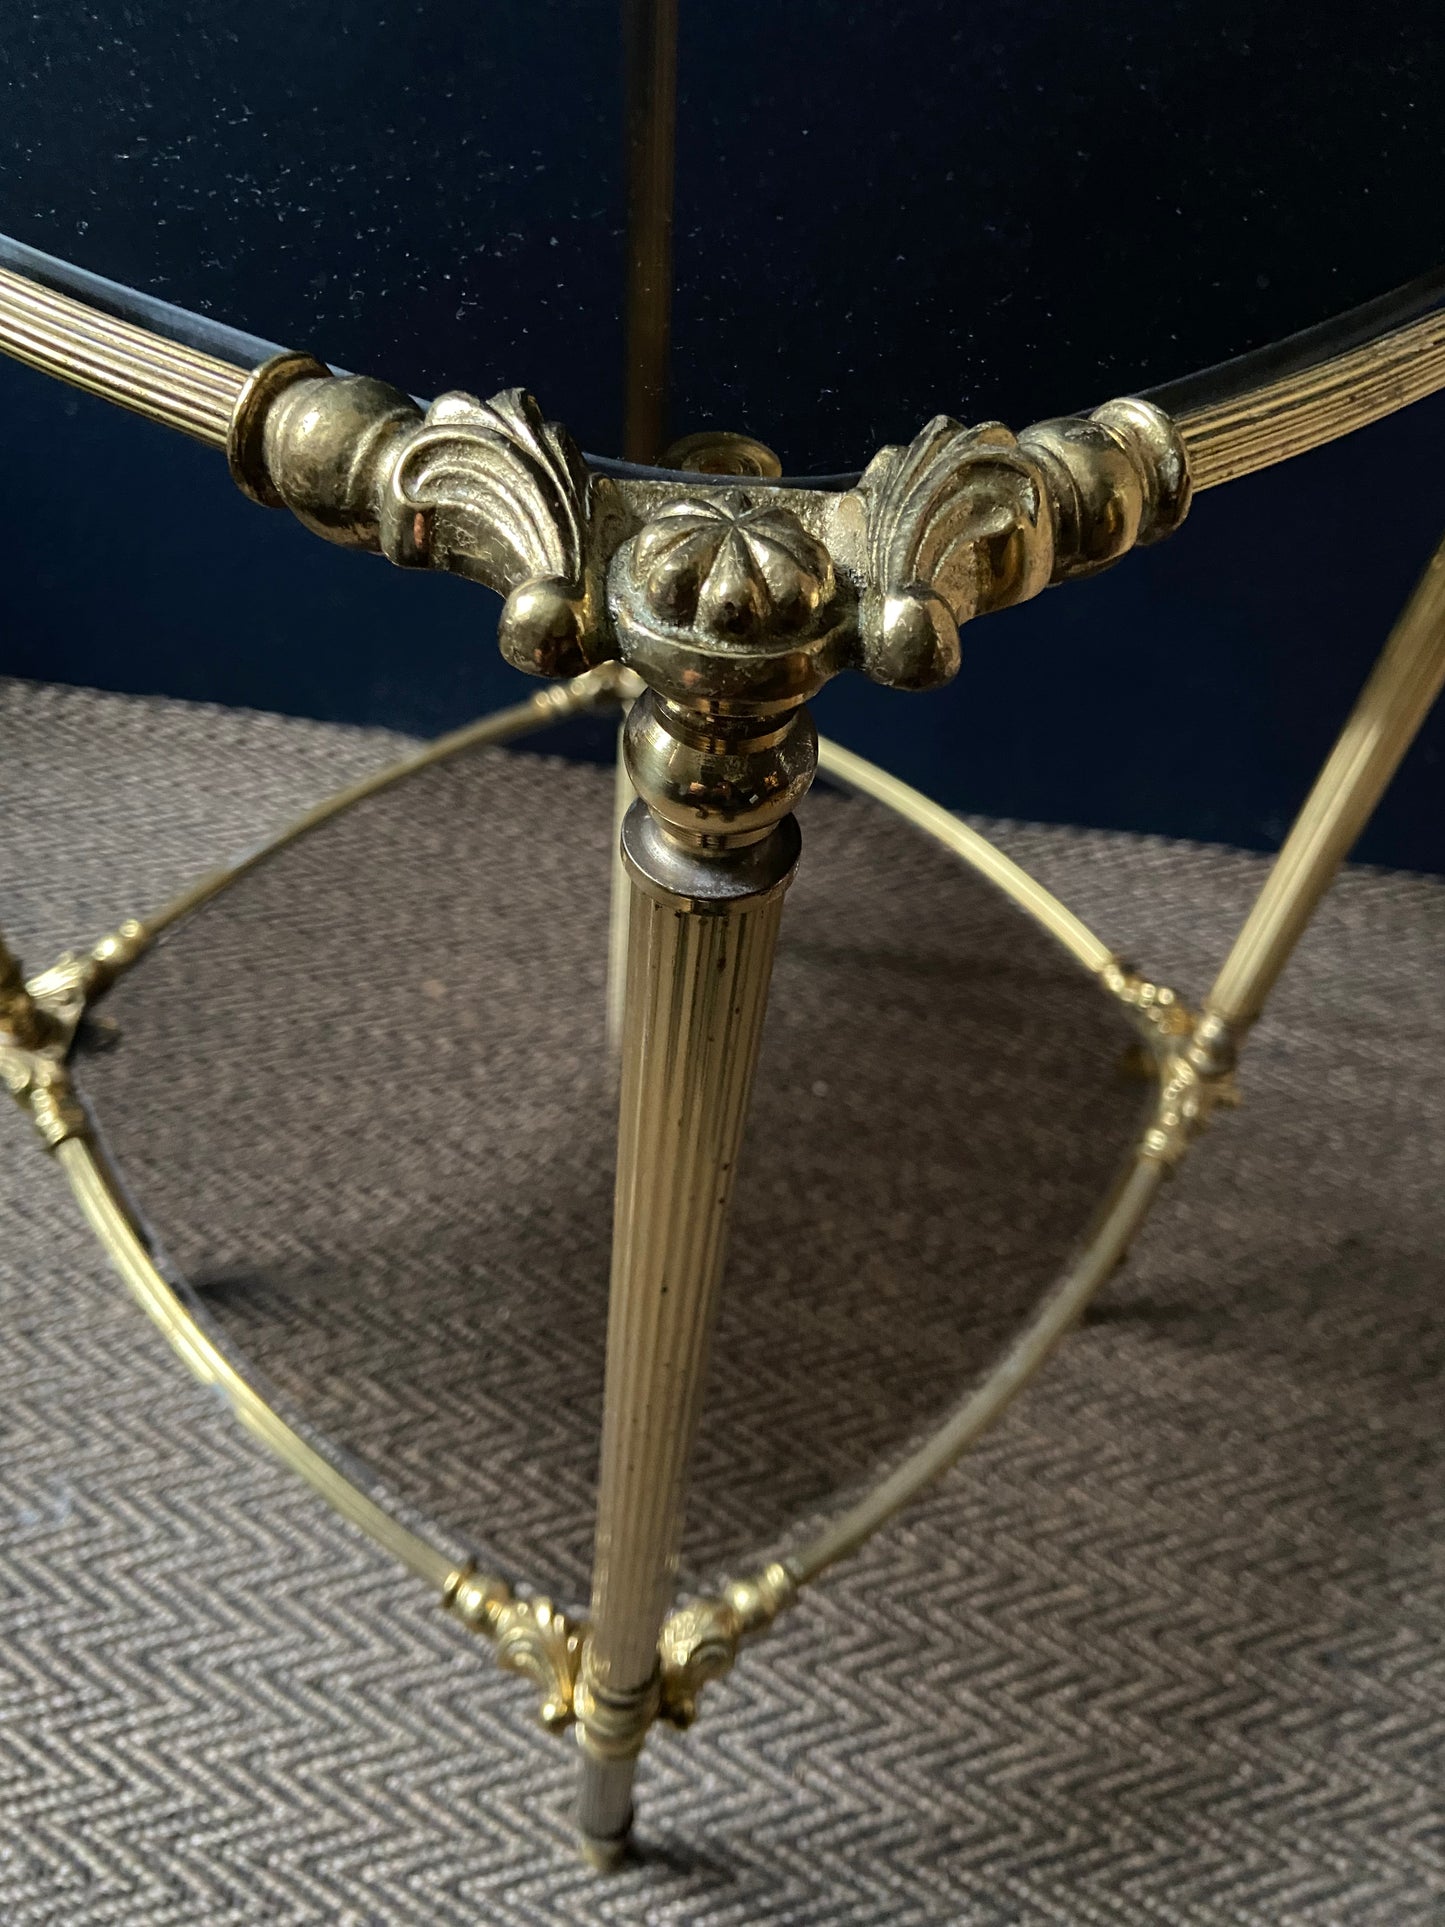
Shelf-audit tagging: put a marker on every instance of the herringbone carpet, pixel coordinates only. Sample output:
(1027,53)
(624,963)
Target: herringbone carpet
(1167,1648)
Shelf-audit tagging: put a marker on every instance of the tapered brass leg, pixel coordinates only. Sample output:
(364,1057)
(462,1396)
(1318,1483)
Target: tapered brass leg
(703,922)
(1384,722)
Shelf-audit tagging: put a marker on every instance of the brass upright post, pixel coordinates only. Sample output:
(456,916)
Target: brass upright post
(733,617)
(1384,722)
(704,922)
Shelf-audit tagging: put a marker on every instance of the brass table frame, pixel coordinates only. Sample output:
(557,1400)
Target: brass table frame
(709,607)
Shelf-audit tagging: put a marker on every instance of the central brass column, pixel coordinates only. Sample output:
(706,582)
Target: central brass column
(731,616)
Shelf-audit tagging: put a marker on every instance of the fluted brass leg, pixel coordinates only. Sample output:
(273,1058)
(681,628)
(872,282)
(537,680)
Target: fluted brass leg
(703,923)
(1384,722)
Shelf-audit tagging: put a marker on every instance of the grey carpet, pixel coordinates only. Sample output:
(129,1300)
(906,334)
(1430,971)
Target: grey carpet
(1167,1648)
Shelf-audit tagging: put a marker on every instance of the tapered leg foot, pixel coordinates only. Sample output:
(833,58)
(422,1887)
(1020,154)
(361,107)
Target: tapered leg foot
(604,1812)
(702,926)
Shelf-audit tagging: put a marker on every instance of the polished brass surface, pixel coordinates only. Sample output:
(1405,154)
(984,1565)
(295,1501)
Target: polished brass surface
(619,903)
(34,1042)
(961,522)
(531,1635)
(965,520)
(1194,1061)
(699,958)
(38,1022)
(696,1639)
(121,363)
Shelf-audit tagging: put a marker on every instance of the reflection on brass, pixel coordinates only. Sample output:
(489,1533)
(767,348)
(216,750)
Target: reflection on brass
(486,490)
(179,387)
(1159,1008)
(716,451)
(965,520)
(1298,412)
(699,1642)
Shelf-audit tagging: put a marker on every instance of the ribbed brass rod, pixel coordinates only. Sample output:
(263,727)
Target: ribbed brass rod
(1299,412)
(168,383)
(196,393)
(1393,704)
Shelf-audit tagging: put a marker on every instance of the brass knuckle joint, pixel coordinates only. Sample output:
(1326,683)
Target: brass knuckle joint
(699,1642)
(1194,1057)
(38,1022)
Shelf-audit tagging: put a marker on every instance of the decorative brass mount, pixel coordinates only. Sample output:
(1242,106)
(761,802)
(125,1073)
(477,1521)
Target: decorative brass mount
(700,1641)
(38,1022)
(1193,1056)
(961,522)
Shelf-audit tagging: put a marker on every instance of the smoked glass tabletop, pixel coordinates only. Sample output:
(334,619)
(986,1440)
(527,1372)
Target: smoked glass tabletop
(878,213)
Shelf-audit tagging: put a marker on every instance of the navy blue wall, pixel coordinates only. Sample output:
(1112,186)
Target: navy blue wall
(1191,692)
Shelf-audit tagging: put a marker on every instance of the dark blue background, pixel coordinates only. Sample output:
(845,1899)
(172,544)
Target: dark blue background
(1191,691)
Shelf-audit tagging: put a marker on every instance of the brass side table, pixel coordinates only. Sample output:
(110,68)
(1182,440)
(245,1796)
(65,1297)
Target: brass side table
(707,600)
